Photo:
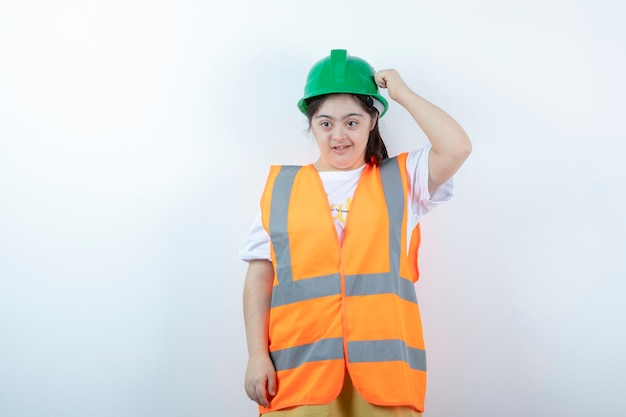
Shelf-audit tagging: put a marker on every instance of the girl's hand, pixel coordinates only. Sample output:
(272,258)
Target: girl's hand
(391,80)
(260,380)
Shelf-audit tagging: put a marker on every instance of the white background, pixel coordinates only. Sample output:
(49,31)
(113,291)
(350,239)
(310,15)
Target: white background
(135,137)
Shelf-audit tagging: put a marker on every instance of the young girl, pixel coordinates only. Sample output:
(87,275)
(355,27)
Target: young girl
(332,321)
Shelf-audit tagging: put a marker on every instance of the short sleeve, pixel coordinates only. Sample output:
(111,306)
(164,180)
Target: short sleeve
(420,200)
(257,243)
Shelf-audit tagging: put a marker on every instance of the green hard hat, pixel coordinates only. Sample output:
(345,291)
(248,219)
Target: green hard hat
(341,73)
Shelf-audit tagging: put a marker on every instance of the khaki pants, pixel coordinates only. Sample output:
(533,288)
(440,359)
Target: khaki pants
(348,404)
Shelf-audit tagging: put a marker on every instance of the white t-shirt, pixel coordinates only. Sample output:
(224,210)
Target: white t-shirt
(340,186)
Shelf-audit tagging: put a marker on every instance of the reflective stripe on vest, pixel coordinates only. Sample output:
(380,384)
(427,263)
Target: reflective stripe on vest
(324,349)
(363,351)
(387,350)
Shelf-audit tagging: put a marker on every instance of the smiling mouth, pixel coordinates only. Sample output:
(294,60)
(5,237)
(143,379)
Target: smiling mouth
(341,148)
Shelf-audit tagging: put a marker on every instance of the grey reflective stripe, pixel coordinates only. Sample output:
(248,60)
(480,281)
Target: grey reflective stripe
(322,350)
(289,291)
(388,282)
(384,283)
(386,351)
(281,195)
(305,289)
(394,197)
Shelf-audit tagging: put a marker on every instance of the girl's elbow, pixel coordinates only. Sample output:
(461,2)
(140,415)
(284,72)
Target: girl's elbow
(463,150)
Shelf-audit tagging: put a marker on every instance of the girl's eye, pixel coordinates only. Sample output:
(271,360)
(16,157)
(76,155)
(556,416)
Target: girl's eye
(352,123)
(325,124)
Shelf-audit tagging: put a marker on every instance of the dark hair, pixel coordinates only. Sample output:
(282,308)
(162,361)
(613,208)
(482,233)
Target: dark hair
(375,151)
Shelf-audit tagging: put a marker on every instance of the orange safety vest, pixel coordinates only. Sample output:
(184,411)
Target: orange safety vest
(343,306)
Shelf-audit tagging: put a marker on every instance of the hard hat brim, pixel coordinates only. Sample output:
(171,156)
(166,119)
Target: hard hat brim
(303,107)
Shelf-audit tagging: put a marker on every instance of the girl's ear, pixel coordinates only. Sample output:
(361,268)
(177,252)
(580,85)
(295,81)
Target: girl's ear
(374,120)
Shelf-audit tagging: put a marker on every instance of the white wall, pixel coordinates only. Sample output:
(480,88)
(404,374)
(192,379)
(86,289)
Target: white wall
(135,137)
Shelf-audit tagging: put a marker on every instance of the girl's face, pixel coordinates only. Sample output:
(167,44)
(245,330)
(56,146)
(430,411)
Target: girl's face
(341,128)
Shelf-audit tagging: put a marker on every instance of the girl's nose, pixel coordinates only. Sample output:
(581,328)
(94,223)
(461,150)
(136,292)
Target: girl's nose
(339,133)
